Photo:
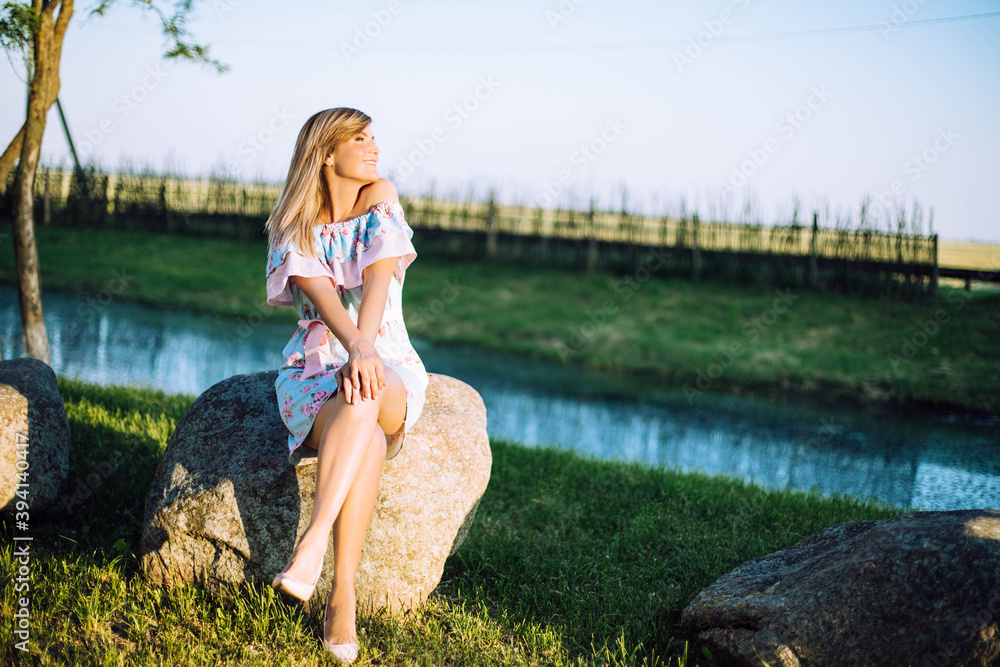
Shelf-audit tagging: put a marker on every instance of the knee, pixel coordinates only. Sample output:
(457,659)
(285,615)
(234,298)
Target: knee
(361,408)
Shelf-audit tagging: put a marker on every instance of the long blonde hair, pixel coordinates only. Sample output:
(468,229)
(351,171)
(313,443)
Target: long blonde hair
(303,196)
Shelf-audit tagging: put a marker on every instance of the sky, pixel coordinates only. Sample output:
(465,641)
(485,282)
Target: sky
(705,105)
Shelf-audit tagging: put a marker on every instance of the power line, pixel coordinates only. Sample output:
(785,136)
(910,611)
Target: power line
(883,25)
(659,43)
(644,44)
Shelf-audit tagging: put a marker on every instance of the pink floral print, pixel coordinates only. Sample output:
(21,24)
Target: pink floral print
(347,247)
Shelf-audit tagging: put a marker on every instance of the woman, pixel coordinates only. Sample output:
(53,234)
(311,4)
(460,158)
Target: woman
(351,385)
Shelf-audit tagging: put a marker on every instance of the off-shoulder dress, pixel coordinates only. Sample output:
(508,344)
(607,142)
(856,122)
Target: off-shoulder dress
(313,355)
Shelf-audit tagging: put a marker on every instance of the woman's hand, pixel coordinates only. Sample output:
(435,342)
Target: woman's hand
(362,377)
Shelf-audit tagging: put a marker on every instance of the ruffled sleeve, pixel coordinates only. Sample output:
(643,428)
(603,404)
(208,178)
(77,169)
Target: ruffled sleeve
(285,260)
(359,243)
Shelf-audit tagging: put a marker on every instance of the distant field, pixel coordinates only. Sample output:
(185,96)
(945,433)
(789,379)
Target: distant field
(958,255)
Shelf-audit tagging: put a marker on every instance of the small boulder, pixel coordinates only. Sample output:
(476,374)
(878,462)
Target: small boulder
(226,506)
(35,434)
(922,588)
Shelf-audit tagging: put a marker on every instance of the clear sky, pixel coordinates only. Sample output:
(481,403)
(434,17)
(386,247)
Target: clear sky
(709,102)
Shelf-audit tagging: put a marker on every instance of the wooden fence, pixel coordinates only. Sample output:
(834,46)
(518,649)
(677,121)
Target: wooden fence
(590,240)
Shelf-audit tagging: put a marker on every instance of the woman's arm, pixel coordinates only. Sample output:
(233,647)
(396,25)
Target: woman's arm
(361,377)
(324,296)
(375,277)
(374,290)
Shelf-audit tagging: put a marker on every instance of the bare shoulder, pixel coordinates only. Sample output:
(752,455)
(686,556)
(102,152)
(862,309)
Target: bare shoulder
(380,191)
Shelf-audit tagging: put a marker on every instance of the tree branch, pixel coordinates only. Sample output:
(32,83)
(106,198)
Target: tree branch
(48,8)
(174,30)
(65,12)
(10,155)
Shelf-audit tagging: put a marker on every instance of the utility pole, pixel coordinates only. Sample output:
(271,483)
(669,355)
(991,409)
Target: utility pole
(81,177)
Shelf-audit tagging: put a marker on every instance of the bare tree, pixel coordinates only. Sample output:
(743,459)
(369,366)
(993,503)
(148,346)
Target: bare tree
(36,30)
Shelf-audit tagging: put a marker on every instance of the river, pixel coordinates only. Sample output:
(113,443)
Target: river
(930,462)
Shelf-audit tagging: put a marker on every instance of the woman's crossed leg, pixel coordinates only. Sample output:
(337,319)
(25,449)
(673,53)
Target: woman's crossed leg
(351,443)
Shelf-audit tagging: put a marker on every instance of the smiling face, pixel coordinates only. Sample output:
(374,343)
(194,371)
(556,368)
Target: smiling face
(356,158)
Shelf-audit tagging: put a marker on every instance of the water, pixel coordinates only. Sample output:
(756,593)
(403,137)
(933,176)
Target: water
(932,463)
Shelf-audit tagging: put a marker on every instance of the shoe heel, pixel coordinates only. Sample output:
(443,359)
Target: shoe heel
(293,587)
(346,653)
(296,588)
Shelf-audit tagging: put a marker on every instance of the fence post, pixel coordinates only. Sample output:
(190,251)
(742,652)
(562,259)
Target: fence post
(695,249)
(813,262)
(934,270)
(543,237)
(628,223)
(491,230)
(592,242)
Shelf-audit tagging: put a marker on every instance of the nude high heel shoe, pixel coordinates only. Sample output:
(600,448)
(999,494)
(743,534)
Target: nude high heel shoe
(296,588)
(346,653)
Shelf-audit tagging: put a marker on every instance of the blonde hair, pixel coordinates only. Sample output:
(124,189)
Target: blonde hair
(303,196)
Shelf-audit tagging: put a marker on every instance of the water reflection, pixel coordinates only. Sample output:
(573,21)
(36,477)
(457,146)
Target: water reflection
(906,461)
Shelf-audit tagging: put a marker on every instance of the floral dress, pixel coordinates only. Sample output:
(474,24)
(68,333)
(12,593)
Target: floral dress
(312,357)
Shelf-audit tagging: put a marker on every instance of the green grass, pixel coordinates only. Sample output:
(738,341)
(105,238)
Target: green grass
(570,561)
(671,331)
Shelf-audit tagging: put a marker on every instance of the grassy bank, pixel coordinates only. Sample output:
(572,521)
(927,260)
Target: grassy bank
(570,561)
(704,336)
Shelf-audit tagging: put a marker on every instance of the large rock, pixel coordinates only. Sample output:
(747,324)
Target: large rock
(34,432)
(919,589)
(225,505)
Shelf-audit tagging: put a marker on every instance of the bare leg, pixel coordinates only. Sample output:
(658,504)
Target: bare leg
(348,537)
(345,433)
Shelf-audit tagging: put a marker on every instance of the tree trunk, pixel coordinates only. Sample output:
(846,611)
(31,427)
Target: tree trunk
(43,91)
(13,150)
